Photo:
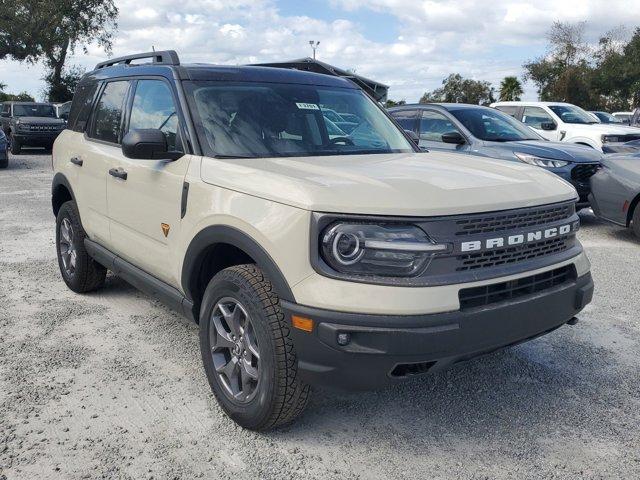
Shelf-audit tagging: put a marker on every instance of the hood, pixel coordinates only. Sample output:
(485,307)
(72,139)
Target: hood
(554,150)
(603,128)
(41,120)
(625,166)
(411,184)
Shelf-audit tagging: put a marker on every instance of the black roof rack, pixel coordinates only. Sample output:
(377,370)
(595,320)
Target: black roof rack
(164,57)
(377,90)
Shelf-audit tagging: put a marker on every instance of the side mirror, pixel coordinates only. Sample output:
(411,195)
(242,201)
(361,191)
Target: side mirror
(453,137)
(147,144)
(64,116)
(413,135)
(4,114)
(548,126)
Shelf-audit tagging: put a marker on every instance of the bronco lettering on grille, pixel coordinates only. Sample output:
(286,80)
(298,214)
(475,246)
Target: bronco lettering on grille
(513,240)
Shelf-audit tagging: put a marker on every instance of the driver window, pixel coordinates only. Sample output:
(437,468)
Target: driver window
(153,107)
(535,117)
(433,125)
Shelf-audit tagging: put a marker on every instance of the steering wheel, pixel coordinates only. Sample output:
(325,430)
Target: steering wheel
(346,140)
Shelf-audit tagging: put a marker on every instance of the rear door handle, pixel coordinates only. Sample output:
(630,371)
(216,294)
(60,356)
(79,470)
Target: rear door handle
(118,173)
(76,161)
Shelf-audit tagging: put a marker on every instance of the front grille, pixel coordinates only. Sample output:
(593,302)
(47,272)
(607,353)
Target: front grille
(516,220)
(583,172)
(499,292)
(628,138)
(506,256)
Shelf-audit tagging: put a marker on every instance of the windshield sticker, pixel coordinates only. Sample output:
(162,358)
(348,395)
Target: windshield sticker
(308,106)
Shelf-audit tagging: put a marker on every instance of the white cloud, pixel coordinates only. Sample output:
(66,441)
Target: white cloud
(479,39)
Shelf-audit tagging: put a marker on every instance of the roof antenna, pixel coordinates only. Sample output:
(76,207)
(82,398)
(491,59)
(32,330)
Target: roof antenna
(153,48)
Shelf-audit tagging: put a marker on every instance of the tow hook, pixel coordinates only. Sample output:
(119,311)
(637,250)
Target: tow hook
(573,321)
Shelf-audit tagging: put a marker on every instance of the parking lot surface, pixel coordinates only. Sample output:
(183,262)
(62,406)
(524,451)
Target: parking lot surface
(110,384)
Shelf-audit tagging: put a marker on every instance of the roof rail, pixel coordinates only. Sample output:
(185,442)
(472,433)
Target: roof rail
(375,89)
(164,57)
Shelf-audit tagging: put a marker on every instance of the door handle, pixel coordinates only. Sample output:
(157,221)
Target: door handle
(76,161)
(118,173)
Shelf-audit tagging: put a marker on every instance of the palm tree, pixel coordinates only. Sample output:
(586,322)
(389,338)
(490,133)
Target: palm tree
(2,86)
(510,89)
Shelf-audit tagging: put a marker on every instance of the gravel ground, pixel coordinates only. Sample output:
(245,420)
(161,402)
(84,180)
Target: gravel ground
(110,385)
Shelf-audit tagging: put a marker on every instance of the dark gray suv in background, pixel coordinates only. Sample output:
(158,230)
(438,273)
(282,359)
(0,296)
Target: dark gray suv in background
(30,124)
(478,130)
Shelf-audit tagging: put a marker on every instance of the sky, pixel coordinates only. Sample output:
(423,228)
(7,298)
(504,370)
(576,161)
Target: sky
(410,45)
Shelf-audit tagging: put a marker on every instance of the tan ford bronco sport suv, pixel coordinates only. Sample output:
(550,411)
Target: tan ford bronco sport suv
(308,254)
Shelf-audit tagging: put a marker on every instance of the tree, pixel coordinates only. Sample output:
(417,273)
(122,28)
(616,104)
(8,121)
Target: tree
(456,89)
(62,89)
(564,74)
(49,30)
(510,89)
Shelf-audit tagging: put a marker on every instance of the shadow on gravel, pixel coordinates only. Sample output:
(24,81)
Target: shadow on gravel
(24,161)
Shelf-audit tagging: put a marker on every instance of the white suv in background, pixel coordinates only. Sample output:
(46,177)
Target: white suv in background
(564,122)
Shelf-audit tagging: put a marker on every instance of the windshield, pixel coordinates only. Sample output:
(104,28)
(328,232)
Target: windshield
(572,114)
(251,120)
(493,126)
(34,111)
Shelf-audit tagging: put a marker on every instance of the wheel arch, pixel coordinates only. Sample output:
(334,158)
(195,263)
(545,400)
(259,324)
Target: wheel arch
(61,192)
(218,247)
(632,208)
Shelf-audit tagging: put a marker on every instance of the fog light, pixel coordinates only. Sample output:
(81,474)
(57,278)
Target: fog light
(344,339)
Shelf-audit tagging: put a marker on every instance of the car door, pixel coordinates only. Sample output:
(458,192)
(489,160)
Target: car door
(537,118)
(93,155)
(432,125)
(145,206)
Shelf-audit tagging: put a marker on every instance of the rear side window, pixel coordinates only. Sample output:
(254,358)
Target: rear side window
(535,117)
(107,122)
(406,119)
(81,106)
(508,109)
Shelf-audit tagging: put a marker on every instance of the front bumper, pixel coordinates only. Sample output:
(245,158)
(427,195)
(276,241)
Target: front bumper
(36,139)
(385,349)
(579,180)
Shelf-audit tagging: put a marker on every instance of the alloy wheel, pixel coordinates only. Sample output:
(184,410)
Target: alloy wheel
(67,249)
(234,348)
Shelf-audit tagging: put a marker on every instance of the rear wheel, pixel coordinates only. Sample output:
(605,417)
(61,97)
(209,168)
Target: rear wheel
(247,352)
(635,223)
(79,271)
(4,162)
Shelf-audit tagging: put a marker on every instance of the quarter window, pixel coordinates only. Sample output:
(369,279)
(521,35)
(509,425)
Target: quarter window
(433,125)
(108,112)
(535,117)
(153,107)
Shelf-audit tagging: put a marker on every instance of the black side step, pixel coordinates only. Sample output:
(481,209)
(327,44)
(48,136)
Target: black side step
(140,279)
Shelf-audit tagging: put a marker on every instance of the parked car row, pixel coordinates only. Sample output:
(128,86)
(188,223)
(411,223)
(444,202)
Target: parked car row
(610,184)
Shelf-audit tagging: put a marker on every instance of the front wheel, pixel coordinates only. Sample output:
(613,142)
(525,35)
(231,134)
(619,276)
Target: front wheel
(248,354)
(16,146)
(635,225)
(79,271)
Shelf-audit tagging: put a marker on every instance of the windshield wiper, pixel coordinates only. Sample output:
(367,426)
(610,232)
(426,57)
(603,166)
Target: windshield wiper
(234,156)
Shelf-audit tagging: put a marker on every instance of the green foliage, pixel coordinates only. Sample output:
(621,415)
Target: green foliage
(48,30)
(605,77)
(510,89)
(456,89)
(20,97)
(62,90)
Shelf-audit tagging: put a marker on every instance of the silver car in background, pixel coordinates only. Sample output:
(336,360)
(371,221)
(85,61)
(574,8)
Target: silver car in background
(615,191)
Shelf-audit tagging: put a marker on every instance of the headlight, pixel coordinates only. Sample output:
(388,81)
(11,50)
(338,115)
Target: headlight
(539,161)
(612,139)
(387,250)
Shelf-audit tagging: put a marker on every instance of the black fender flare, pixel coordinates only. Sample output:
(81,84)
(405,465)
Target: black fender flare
(217,234)
(60,180)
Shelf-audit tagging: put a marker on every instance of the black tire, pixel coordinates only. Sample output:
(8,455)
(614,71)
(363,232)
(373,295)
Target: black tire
(635,222)
(15,146)
(86,274)
(4,162)
(278,396)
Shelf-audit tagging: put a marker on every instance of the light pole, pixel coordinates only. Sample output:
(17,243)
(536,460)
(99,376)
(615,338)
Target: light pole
(314,46)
